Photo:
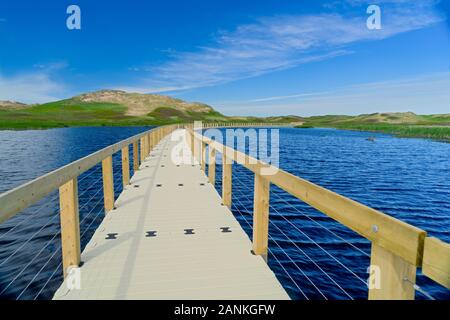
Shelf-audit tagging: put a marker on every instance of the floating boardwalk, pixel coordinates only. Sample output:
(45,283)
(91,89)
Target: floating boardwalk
(170,237)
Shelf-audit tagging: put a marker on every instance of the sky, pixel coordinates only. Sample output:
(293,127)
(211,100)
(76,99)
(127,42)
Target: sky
(265,57)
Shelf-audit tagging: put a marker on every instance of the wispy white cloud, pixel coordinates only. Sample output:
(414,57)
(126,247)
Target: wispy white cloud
(33,87)
(282,42)
(52,66)
(421,94)
(287,97)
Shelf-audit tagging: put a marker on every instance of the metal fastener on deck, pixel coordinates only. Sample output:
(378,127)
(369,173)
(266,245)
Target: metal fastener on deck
(150,234)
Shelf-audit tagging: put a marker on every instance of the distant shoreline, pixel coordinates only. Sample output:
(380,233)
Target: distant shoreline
(438,133)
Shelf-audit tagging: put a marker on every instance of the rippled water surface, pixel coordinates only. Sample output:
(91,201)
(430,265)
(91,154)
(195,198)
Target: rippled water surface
(313,256)
(30,250)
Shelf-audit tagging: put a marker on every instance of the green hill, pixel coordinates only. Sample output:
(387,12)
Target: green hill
(119,108)
(114,108)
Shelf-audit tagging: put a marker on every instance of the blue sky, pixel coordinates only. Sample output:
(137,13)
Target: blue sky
(248,57)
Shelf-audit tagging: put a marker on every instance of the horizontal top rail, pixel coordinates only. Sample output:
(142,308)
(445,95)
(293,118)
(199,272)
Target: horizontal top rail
(392,234)
(25,195)
(210,125)
(21,197)
(397,247)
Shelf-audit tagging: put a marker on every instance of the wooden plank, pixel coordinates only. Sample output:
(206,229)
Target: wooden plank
(125,166)
(436,261)
(108,183)
(396,277)
(135,156)
(392,234)
(227,177)
(261,216)
(70,225)
(212,166)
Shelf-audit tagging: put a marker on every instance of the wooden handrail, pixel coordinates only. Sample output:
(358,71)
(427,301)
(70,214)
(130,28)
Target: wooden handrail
(21,197)
(397,247)
(25,195)
(372,224)
(66,179)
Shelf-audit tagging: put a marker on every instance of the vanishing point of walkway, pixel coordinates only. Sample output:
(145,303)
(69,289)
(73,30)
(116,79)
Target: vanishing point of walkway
(170,237)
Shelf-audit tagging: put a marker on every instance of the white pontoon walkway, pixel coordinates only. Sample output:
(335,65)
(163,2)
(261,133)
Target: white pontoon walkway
(170,238)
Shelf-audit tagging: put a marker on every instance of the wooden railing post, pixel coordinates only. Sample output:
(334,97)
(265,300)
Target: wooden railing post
(261,216)
(142,149)
(153,139)
(125,166)
(150,143)
(226,180)
(70,225)
(192,142)
(212,165)
(135,156)
(108,183)
(197,148)
(391,277)
(436,261)
(146,146)
(203,157)
(150,139)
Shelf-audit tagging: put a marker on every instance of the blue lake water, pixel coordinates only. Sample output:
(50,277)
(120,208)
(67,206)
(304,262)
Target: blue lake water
(313,256)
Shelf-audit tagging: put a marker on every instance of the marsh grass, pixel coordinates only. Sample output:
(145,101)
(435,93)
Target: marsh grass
(425,126)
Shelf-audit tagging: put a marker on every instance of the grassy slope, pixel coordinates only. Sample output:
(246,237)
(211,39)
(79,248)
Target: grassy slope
(401,124)
(72,112)
(63,113)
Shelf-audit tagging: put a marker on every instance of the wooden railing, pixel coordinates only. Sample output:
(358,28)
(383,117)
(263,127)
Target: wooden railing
(398,248)
(66,180)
